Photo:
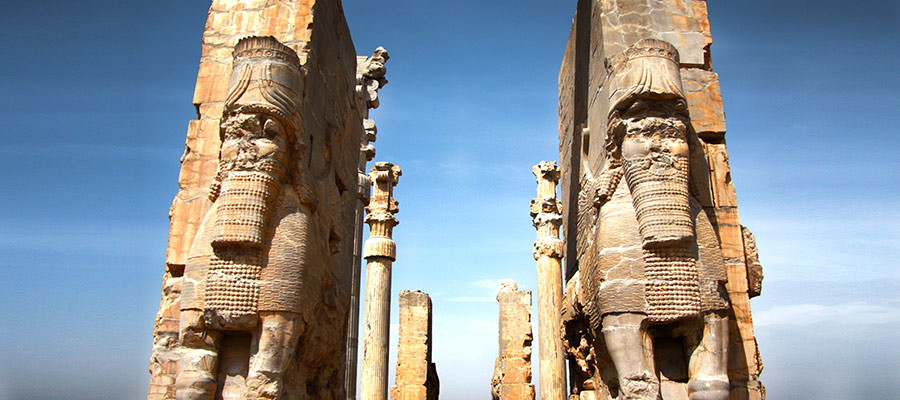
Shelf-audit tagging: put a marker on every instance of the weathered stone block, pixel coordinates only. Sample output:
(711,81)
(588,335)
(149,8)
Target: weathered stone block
(691,46)
(512,374)
(212,82)
(416,374)
(704,98)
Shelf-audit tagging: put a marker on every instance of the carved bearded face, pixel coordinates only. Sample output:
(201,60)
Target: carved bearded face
(654,151)
(251,168)
(254,142)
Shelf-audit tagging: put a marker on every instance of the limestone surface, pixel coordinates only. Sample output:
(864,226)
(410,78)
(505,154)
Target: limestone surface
(512,370)
(417,377)
(272,154)
(659,273)
(380,252)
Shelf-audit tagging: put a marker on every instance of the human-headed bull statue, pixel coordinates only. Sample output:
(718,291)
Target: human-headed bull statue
(651,275)
(257,265)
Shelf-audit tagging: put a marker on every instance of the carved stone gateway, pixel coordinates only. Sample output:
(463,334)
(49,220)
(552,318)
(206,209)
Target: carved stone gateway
(255,265)
(656,303)
(261,289)
(259,266)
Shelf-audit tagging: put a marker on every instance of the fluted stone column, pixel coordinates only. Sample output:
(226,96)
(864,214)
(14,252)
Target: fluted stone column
(380,253)
(548,251)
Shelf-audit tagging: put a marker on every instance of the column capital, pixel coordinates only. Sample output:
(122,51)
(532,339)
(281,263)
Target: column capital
(546,171)
(384,173)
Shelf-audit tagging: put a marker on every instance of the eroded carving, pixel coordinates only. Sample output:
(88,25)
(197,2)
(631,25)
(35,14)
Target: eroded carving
(548,252)
(370,76)
(651,272)
(380,251)
(249,268)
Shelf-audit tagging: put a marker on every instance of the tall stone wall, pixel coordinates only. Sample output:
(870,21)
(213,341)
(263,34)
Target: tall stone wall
(416,375)
(602,29)
(331,115)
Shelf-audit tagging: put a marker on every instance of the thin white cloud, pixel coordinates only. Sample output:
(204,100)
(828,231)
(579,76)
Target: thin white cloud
(492,284)
(854,313)
(488,288)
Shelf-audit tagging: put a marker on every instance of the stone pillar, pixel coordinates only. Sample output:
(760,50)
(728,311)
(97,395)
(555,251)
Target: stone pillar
(548,251)
(416,374)
(380,253)
(512,372)
(369,79)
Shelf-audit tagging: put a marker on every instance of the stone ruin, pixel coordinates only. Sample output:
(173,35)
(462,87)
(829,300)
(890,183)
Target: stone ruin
(417,377)
(261,291)
(659,271)
(512,370)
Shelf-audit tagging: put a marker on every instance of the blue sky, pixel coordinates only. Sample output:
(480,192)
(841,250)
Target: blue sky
(96,97)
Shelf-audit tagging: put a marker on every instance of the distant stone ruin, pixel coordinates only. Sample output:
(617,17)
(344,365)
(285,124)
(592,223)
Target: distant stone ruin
(417,377)
(645,295)
(512,370)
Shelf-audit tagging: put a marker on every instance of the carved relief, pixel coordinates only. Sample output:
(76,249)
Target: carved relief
(651,273)
(370,76)
(248,270)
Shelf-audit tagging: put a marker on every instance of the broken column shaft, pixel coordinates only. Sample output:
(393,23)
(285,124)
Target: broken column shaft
(548,251)
(512,373)
(380,253)
(416,374)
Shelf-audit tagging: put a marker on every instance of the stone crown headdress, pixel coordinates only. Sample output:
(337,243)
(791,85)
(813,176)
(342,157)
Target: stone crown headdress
(266,77)
(648,69)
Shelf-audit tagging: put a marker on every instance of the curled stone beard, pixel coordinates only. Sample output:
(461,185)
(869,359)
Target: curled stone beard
(248,190)
(659,190)
(660,193)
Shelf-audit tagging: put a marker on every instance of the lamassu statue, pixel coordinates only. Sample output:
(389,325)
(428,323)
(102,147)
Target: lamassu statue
(254,274)
(649,299)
